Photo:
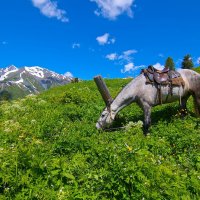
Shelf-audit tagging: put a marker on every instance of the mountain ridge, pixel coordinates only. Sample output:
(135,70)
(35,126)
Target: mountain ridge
(19,82)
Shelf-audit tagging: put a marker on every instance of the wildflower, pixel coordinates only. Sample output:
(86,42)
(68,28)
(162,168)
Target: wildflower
(128,147)
(61,190)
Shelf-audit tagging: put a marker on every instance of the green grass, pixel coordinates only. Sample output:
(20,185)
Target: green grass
(197,69)
(50,149)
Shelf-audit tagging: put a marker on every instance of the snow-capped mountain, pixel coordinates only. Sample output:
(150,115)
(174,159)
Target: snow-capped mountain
(29,80)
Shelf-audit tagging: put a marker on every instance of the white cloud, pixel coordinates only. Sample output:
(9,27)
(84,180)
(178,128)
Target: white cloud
(50,9)
(129,52)
(198,60)
(112,56)
(127,55)
(159,66)
(128,67)
(68,74)
(105,39)
(111,9)
(124,57)
(76,45)
(131,67)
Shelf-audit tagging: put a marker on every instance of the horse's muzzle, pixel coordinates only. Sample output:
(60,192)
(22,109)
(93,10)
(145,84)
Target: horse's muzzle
(98,126)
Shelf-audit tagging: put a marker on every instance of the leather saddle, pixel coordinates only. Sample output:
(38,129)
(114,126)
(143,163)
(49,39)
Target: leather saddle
(162,77)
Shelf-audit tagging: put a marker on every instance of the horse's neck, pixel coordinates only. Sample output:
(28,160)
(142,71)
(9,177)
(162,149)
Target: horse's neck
(125,97)
(119,102)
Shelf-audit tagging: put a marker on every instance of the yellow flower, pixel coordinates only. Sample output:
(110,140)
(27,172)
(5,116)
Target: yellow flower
(129,148)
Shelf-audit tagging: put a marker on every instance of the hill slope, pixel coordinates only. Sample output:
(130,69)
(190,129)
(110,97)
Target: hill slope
(197,69)
(50,149)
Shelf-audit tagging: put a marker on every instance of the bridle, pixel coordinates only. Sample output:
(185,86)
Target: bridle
(108,114)
(109,129)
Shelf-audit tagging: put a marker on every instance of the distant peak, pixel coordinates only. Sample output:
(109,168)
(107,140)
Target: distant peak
(11,68)
(36,67)
(35,71)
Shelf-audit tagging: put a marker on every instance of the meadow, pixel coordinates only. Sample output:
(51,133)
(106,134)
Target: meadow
(50,149)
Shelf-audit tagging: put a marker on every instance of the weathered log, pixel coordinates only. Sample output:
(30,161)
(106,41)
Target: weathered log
(101,85)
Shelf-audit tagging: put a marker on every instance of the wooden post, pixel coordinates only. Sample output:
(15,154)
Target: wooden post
(101,85)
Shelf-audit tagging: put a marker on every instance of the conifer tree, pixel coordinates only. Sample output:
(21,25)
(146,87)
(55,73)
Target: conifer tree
(169,63)
(187,62)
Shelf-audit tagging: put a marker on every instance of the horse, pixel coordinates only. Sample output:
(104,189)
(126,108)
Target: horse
(146,96)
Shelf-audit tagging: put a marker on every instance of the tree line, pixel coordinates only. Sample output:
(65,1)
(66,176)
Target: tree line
(187,63)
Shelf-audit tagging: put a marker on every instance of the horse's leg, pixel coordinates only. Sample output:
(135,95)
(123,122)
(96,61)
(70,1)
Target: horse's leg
(183,107)
(147,117)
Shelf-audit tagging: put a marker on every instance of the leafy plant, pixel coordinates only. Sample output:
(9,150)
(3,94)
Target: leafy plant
(50,149)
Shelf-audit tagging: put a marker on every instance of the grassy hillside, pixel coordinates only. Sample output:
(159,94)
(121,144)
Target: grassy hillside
(197,69)
(50,149)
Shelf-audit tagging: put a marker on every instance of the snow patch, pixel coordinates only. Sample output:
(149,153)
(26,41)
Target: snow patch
(10,68)
(18,82)
(35,71)
(54,74)
(4,76)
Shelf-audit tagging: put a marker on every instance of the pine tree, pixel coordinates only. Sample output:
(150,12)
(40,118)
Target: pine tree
(187,62)
(169,63)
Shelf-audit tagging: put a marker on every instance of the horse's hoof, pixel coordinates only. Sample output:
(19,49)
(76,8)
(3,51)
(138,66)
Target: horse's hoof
(147,134)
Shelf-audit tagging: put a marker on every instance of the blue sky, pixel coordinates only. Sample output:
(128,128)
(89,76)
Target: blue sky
(114,38)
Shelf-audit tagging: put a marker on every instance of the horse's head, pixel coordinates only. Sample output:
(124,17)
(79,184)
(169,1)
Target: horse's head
(105,119)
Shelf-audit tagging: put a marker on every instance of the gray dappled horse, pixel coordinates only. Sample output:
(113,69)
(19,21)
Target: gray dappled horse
(145,95)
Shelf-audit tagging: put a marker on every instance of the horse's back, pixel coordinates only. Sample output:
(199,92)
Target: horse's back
(191,79)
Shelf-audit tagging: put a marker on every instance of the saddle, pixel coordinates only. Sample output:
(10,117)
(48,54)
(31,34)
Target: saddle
(162,78)
(159,76)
